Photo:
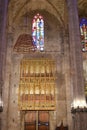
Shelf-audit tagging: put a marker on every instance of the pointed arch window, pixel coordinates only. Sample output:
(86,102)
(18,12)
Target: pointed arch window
(83,30)
(38,32)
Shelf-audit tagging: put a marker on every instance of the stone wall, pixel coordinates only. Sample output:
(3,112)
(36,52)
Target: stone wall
(56,47)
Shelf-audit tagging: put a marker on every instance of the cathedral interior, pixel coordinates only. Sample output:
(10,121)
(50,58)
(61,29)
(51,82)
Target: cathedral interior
(43,65)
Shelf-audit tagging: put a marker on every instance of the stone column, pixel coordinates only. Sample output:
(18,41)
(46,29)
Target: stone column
(75,52)
(77,82)
(3,14)
(66,71)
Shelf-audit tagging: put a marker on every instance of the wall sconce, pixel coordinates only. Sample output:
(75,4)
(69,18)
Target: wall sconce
(1,102)
(79,106)
(78,109)
(1,105)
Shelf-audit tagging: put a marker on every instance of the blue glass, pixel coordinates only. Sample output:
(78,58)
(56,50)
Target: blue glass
(38,31)
(83,21)
(83,30)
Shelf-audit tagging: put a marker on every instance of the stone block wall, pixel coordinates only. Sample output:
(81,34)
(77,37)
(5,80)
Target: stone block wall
(55,48)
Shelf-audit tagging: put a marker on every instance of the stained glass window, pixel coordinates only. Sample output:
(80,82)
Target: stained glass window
(83,30)
(38,32)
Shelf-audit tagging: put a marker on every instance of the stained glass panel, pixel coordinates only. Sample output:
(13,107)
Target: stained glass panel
(38,32)
(83,30)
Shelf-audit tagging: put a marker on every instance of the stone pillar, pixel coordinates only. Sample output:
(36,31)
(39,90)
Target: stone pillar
(66,71)
(3,14)
(77,82)
(75,52)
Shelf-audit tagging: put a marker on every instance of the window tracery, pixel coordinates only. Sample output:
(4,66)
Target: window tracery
(83,30)
(38,32)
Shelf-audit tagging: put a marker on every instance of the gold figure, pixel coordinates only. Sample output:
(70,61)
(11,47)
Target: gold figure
(37,85)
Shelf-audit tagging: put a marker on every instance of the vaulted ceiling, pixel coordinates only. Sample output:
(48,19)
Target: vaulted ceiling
(82,7)
(17,8)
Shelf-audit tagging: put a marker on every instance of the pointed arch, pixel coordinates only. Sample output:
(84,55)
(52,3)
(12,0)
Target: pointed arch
(38,31)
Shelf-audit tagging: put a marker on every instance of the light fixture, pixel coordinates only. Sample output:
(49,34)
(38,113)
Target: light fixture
(78,109)
(1,105)
(1,102)
(78,106)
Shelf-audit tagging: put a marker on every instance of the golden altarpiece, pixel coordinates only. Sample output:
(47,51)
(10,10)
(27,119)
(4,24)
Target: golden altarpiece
(36,93)
(37,84)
